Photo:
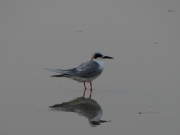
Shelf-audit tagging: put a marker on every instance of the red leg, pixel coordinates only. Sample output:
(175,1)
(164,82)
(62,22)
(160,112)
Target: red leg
(84,89)
(90,89)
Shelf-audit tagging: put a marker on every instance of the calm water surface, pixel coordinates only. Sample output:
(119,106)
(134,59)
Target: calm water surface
(138,92)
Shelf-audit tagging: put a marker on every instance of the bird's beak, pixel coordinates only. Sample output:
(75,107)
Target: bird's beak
(107,57)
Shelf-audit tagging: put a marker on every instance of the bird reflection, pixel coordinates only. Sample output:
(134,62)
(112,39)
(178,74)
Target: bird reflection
(84,106)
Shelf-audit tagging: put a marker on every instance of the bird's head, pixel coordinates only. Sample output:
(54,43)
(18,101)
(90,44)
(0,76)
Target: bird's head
(98,55)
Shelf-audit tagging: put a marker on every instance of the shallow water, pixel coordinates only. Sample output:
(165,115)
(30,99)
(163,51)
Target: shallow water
(138,91)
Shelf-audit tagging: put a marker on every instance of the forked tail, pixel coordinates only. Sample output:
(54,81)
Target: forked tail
(62,73)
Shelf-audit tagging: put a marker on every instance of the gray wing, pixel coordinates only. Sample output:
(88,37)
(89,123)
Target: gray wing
(88,69)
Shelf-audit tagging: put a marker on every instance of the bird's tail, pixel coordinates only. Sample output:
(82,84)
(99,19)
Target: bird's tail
(62,73)
(55,70)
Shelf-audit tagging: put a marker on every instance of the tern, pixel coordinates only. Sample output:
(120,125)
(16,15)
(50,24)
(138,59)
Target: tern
(85,72)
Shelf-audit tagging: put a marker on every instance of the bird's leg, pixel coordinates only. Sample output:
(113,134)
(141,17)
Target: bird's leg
(90,89)
(84,89)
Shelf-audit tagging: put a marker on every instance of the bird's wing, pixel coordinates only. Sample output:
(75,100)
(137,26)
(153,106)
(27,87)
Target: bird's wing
(89,69)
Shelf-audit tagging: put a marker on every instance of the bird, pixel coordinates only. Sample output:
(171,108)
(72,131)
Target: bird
(85,72)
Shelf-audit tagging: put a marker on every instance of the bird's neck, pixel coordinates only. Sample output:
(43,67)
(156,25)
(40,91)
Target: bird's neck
(100,62)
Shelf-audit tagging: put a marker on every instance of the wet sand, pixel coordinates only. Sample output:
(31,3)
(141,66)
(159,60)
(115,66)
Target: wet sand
(138,90)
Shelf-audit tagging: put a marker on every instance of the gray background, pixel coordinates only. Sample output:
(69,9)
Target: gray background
(142,35)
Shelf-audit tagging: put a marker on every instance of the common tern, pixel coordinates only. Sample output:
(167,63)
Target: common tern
(85,72)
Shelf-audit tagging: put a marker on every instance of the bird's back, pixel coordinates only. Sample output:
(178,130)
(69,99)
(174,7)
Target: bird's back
(89,69)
